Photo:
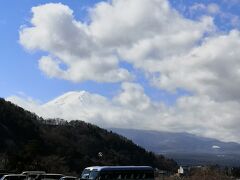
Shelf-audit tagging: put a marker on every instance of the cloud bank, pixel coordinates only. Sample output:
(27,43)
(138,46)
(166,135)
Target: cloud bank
(174,52)
(133,108)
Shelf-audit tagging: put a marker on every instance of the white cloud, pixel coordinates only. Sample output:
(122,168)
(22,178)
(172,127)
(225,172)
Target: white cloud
(91,68)
(51,67)
(133,96)
(25,102)
(146,30)
(68,42)
(211,69)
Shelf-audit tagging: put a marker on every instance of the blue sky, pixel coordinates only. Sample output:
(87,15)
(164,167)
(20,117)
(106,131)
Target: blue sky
(173,63)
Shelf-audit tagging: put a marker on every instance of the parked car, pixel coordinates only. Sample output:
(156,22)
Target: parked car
(14,177)
(49,176)
(68,178)
(3,173)
(32,175)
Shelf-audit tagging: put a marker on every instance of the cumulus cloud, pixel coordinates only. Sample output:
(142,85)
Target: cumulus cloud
(68,42)
(51,67)
(211,69)
(133,96)
(132,108)
(147,31)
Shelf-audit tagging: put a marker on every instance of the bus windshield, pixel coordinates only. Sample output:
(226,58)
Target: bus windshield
(88,174)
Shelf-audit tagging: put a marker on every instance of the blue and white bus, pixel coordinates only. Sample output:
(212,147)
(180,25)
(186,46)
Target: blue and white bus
(118,173)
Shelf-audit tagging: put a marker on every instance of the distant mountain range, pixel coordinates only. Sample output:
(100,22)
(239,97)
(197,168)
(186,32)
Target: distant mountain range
(185,148)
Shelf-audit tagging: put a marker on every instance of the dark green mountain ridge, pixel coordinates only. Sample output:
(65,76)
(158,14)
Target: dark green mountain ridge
(29,142)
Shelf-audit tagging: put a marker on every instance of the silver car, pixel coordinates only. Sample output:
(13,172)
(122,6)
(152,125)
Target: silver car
(14,177)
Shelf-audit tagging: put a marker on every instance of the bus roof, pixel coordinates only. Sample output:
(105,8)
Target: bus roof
(116,168)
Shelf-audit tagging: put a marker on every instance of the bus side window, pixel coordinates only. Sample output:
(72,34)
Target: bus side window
(106,177)
(137,176)
(119,176)
(126,176)
(149,175)
(103,176)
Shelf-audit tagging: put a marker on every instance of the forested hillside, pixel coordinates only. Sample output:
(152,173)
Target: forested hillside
(29,142)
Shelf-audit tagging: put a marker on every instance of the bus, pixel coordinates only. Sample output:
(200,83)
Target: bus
(118,173)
